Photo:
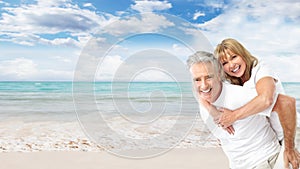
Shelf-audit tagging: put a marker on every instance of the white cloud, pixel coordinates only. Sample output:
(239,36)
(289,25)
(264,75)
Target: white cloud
(149,22)
(197,15)
(89,5)
(151,5)
(45,3)
(63,42)
(108,67)
(181,51)
(264,27)
(286,67)
(151,65)
(4,3)
(261,22)
(54,75)
(26,69)
(199,41)
(214,3)
(19,68)
(63,59)
(153,75)
(32,39)
(26,23)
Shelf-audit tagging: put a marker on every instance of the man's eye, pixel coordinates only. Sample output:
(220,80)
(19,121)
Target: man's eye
(198,79)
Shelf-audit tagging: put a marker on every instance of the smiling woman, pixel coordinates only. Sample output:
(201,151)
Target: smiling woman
(244,69)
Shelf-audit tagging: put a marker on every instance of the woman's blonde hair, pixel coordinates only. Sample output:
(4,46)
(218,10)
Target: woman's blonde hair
(237,48)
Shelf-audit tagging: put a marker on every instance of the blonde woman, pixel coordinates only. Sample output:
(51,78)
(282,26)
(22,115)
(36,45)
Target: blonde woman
(242,68)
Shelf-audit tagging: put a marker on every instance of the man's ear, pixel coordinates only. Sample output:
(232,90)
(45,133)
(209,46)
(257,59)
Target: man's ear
(217,75)
(220,75)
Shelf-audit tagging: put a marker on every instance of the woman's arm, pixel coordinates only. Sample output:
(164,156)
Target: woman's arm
(215,113)
(265,88)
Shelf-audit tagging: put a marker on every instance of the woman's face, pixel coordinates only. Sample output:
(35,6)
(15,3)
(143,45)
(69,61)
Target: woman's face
(233,64)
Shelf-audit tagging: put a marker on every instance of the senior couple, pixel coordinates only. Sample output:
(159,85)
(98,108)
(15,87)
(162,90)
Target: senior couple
(242,103)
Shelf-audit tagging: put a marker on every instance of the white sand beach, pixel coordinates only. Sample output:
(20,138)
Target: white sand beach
(196,158)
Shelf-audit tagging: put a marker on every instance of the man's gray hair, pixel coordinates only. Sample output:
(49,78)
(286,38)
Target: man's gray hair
(202,56)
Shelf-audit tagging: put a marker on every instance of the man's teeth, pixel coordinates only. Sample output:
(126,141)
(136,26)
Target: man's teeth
(236,69)
(206,91)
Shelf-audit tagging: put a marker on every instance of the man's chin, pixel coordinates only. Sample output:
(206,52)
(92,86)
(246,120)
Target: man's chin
(206,98)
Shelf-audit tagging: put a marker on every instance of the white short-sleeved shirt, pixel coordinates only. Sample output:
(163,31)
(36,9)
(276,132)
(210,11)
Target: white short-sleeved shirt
(254,140)
(260,71)
(263,70)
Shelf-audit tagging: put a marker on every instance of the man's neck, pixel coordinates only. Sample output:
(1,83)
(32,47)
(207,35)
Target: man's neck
(218,93)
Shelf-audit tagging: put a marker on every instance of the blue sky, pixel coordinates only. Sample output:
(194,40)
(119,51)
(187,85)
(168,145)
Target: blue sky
(44,40)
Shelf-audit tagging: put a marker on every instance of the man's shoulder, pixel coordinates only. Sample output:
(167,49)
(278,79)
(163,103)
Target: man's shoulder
(234,96)
(232,88)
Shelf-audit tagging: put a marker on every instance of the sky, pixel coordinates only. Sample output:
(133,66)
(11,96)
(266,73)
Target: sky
(63,40)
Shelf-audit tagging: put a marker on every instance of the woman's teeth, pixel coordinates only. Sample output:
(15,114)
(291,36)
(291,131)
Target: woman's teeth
(236,69)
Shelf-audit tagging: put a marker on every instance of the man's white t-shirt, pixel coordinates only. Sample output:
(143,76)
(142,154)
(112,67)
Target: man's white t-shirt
(254,140)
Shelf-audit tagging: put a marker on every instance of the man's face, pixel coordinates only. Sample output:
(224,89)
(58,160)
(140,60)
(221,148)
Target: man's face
(206,80)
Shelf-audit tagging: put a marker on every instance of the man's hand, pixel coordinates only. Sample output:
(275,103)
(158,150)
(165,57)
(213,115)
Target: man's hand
(227,118)
(291,156)
(230,130)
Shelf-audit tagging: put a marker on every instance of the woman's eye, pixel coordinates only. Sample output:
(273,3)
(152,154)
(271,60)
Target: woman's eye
(224,63)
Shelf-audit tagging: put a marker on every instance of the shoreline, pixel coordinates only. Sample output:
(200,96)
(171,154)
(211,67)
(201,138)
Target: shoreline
(20,136)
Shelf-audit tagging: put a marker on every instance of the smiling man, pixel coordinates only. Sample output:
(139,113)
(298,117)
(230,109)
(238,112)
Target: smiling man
(254,144)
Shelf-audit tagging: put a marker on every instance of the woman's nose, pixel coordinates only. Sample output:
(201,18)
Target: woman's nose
(231,64)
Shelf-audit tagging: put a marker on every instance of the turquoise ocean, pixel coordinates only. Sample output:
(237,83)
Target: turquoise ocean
(36,116)
(54,100)
(33,101)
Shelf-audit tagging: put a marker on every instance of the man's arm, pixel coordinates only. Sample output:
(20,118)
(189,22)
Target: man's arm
(286,109)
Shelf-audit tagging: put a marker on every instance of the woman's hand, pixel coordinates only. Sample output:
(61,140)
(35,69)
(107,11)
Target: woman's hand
(216,115)
(227,117)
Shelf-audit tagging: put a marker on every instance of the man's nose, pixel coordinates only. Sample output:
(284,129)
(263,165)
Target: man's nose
(203,85)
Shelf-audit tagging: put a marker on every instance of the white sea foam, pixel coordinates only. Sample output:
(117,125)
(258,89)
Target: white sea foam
(19,136)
